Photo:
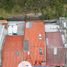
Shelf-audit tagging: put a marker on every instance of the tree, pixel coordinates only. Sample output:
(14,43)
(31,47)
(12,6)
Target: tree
(48,8)
(7,4)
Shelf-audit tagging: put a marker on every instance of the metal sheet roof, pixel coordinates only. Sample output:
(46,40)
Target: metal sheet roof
(54,39)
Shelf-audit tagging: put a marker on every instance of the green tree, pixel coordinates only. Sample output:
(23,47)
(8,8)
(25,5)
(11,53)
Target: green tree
(7,4)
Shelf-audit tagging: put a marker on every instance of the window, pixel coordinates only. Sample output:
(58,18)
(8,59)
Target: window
(9,30)
(28,24)
(26,45)
(40,51)
(12,29)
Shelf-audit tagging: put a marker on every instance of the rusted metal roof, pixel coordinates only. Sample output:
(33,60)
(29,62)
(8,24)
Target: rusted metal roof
(12,51)
(34,50)
(34,46)
(36,37)
(55,49)
(54,39)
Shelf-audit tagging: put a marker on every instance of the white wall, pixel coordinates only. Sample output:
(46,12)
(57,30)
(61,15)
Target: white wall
(3,33)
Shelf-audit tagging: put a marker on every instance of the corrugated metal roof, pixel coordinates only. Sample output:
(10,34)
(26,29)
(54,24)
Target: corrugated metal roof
(54,39)
(55,49)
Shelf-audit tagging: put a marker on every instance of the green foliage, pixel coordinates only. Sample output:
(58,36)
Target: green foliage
(65,13)
(1,18)
(49,8)
(7,5)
